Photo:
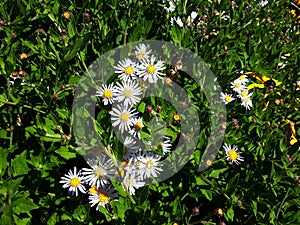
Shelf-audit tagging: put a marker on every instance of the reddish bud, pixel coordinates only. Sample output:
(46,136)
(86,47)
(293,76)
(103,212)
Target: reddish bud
(196,210)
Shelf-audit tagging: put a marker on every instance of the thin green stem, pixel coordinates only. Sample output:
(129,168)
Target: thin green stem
(281,204)
(25,106)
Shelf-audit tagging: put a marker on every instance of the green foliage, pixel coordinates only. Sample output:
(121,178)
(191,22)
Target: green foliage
(37,141)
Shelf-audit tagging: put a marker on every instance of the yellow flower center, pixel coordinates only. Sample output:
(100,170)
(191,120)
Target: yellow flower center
(176,117)
(93,190)
(149,164)
(227,98)
(124,117)
(143,51)
(233,155)
(129,182)
(242,77)
(238,85)
(129,70)
(99,172)
(244,94)
(247,100)
(107,94)
(299,85)
(75,181)
(150,69)
(138,126)
(103,197)
(127,93)
(139,57)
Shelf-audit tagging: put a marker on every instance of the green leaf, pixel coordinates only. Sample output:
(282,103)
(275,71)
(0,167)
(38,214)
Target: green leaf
(25,206)
(19,164)
(216,173)
(229,214)
(65,153)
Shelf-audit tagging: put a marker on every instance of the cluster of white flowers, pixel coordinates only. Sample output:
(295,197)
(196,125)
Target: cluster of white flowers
(192,21)
(139,163)
(239,86)
(170,5)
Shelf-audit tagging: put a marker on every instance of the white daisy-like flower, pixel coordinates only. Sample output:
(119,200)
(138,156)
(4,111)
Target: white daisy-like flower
(298,85)
(150,165)
(131,182)
(126,69)
(171,7)
(107,93)
(233,154)
(130,148)
(237,86)
(166,145)
(100,172)
(73,181)
(103,196)
(142,52)
(137,127)
(263,3)
(226,98)
(243,78)
(122,117)
(243,94)
(177,20)
(128,92)
(150,71)
(247,102)
(281,65)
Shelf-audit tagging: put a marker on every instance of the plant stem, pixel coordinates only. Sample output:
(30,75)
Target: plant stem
(25,106)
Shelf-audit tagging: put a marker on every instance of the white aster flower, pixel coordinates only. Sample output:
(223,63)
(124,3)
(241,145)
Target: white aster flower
(107,93)
(128,92)
(150,165)
(171,7)
(73,181)
(100,172)
(243,78)
(142,52)
(166,145)
(122,117)
(103,196)
(237,86)
(137,127)
(126,69)
(263,3)
(130,148)
(247,102)
(298,85)
(150,71)
(281,65)
(177,20)
(132,182)
(233,154)
(226,98)
(243,94)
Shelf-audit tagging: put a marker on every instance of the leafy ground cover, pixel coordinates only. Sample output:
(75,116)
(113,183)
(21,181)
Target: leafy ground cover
(52,173)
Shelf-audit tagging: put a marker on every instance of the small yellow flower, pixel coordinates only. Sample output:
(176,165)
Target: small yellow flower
(176,117)
(209,163)
(219,212)
(23,56)
(67,15)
